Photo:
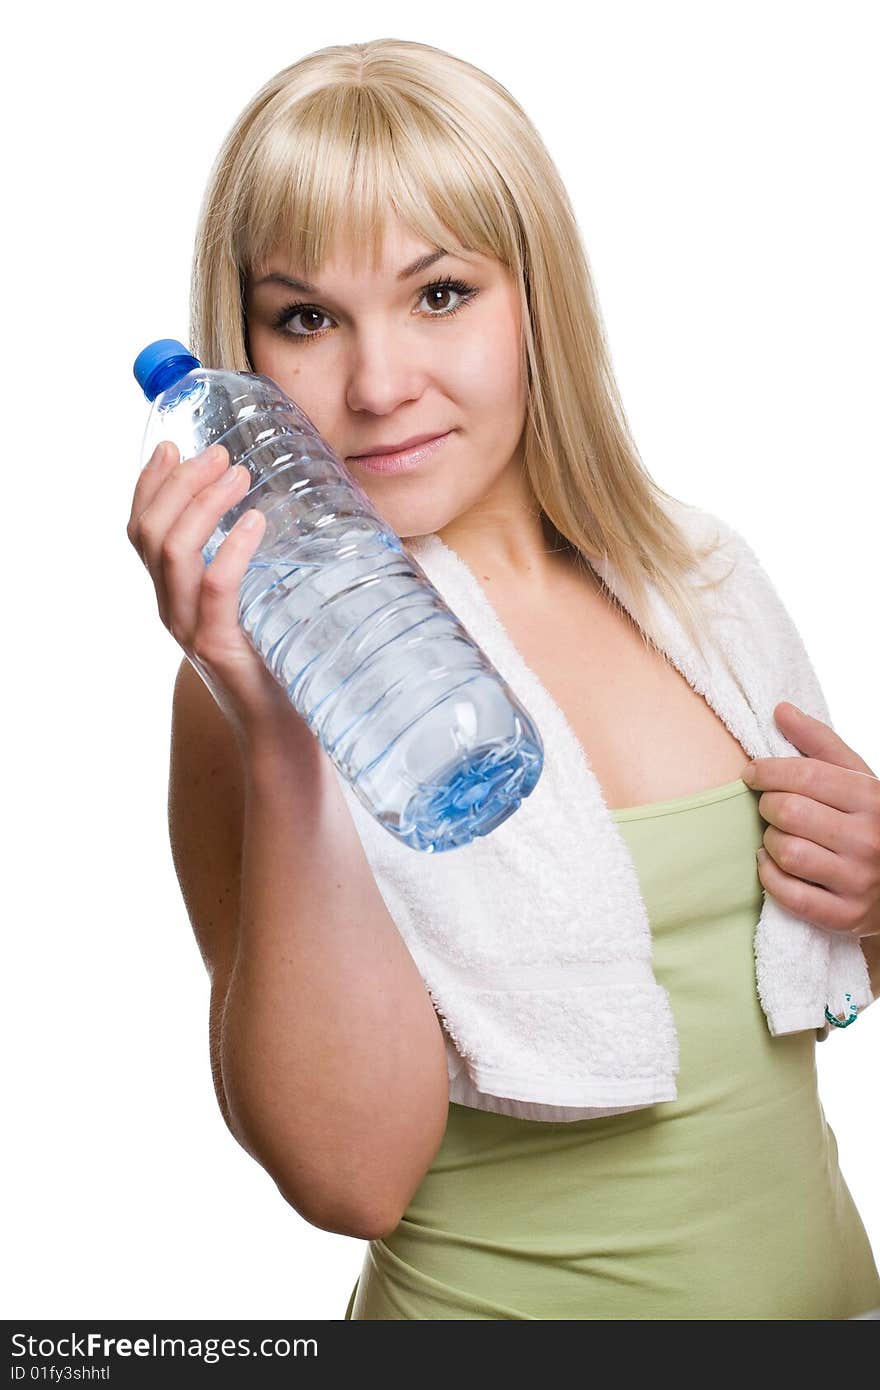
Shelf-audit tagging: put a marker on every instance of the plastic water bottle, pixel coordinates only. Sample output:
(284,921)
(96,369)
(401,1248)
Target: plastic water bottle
(432,740)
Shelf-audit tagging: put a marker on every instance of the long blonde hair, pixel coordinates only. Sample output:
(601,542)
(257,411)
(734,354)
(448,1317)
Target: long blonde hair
(320,154)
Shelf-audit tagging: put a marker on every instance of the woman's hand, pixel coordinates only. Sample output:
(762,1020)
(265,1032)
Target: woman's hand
(175,510)
(823,838)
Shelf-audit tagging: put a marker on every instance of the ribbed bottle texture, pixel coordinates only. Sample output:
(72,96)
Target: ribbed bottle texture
(431,739)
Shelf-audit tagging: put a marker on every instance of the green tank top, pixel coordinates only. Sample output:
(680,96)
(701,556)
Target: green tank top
(725,1203)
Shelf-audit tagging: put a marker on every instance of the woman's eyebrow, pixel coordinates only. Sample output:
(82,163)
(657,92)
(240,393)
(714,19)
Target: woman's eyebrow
(416,268)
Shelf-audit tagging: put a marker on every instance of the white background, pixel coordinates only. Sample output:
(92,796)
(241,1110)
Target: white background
(719,158)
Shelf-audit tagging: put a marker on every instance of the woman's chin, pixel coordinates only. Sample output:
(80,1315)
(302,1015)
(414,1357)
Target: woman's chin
(407,522)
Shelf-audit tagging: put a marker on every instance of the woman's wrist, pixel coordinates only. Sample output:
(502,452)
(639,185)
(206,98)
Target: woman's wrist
(273,756)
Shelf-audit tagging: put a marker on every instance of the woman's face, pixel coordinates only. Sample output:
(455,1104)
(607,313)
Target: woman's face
(374,359)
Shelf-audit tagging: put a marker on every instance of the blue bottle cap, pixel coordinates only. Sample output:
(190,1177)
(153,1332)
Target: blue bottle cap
(161,364)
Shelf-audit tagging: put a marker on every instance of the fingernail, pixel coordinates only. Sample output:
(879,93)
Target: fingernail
(760,855)
(157,456)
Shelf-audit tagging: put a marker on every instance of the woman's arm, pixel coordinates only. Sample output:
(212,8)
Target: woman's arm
(328,1058)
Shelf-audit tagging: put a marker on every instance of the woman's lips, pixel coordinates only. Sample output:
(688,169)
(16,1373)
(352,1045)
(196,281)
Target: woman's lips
(401,462)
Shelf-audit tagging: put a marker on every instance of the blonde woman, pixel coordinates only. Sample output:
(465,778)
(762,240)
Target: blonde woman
(384,234)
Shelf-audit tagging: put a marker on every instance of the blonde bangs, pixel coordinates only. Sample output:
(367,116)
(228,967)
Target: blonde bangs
(326,175)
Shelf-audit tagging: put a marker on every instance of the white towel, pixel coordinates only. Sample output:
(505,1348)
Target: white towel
(534,941)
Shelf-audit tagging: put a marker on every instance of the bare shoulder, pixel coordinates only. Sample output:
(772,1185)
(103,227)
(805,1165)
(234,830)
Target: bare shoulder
(206,817)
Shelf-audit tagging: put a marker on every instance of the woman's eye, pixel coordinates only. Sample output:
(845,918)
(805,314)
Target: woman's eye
(311,312)
(446,288)
(288,315)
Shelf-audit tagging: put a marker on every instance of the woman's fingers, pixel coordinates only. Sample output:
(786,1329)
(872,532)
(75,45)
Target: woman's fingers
(181,567)
(218,636)
(163,460)
(175,510)
(164,489)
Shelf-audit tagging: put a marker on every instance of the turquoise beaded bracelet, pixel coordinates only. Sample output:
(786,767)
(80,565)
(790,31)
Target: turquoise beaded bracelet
(853,1015)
